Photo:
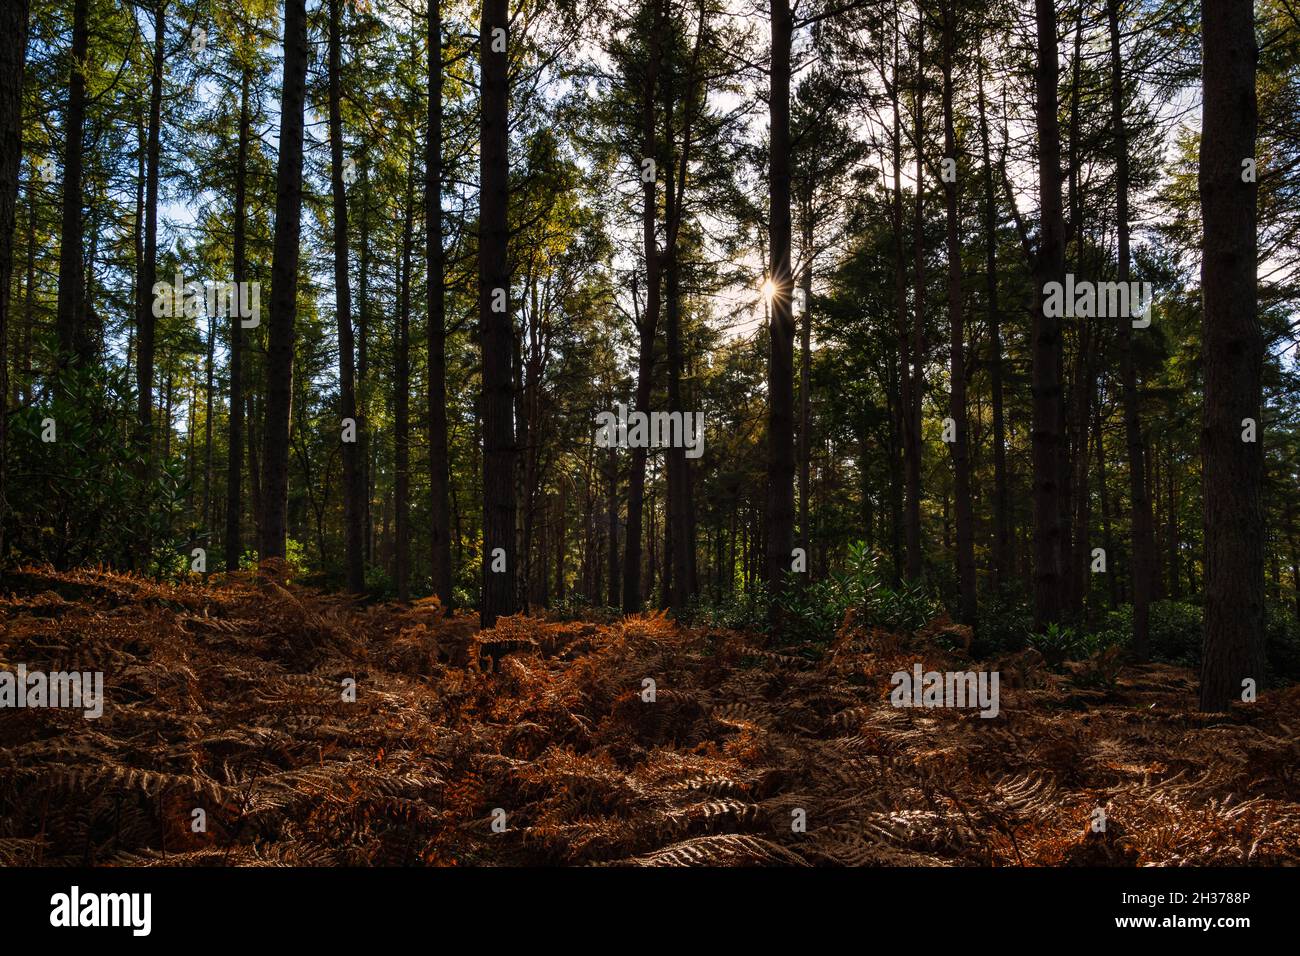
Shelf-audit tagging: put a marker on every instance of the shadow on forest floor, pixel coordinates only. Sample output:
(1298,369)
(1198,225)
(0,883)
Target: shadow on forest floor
(229,698)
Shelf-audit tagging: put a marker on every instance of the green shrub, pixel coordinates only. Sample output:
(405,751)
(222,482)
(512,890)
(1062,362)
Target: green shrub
(574,606)
(814,611)
(742,610)
(1061,643)
(1282,644)
(295,556)
(1177,633)
(77,490)
(1003,626)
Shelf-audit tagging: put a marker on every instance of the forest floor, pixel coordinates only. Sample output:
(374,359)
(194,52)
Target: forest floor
(229,697)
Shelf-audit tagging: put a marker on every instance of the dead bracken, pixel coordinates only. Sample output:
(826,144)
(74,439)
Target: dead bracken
(227,697)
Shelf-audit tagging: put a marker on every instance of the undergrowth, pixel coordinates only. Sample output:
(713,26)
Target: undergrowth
(228,698)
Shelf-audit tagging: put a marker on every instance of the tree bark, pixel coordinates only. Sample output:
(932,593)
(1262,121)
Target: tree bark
(901,393)
(967,601)
(402,398)
(70,318)
(363,368)
(1232,356)
(13,55)
(912,413)
(284,286)
(436,336)
(353,490)
(1142,542)
(615,593)
(780,374)
(1003,562)
(235,459)
(1046,335)
(147,268)
(805,381)
(632,553)
(496,328)
(679,542)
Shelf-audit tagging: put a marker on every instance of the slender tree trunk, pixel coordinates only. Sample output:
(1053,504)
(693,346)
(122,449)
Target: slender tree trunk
(235,460)
(912,414)
(1232,355)
(957,347)
(1175,572)
(70,318)
(439,461)
(1072,459)
(780,374)
(561,544)
(615,588)
(208,517)
(1046,335)
(679,542)
(284,286)
(254,463)
(1107,541)
(29,303)
(13,54)
(402,398)
(1003,562)
(363,368)
(353,489)
(632,553)
(1295,557)
(146,269)
(805,381)
(167,419)
(901,392)
(1142,543)
(1080,513)
(495,322)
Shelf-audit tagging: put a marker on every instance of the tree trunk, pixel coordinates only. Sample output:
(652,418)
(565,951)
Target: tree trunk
(1003,563)
(901,393)
(208,517)
(70,319)
(957,347)
(284,286)
(611,504)
(402,398)
(1171,540)
(679,542)
(1046,375)
(146,269)
(363,367)
(353,490)
(1142,542)
(496,327)
(780,374)
(645,328)
(1295,557)
(912,413)
(436,336)
(13,53)
(235,460)
(805,381)
(1103,496)
(1232,354)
